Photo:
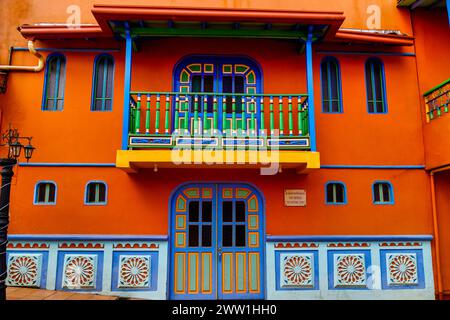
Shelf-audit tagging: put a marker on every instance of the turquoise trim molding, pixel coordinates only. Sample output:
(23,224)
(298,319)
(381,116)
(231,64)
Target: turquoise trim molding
(390,167)
(327,166)
(67,49)
(314,238)
(378,53)
(85,237)
(56,164)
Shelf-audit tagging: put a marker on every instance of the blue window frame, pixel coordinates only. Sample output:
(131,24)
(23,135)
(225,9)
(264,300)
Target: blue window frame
(103,83)
(375,86)
(96,193)
(54,83)
(335,193)
(331,85)
(218,74)
(382,192)
(45,193)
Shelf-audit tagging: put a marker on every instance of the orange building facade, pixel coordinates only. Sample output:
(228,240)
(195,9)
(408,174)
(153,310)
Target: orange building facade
(233,150)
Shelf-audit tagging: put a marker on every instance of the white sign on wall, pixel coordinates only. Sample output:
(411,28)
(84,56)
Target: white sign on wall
(294,198)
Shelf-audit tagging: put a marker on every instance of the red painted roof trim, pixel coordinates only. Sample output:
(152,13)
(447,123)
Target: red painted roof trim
(105,13)
(367,38)
(41,32)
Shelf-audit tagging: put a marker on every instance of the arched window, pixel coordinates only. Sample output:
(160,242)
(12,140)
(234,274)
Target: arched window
(45,193)
(102,85)
(335,193)
(331,85)
(54,84)
(217,77)
(96,193)
(375,85)
(383,193)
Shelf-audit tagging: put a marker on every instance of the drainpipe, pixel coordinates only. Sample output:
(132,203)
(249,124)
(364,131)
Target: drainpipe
(436,231)
(37,68)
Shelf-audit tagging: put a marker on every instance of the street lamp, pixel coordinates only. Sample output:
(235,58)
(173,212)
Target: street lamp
(10,139)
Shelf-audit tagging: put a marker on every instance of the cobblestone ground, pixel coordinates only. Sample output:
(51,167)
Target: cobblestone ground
(38,294)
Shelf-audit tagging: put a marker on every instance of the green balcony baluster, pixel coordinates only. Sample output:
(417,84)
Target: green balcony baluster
(233,115)
(215,116)
(244,115)
(224,114)
(147,115)
(195,115)
(261,125)
(272,118)
(166,117)
(252,116)
(305,118)
(299,116)
(291,121)
(158,111)
(177,114)
(186,114)
(205,114)
(137,119)
(280,106)
(132,116)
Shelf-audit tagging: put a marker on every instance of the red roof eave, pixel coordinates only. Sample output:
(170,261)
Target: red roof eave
(106,13)
(372,38)
(32,32)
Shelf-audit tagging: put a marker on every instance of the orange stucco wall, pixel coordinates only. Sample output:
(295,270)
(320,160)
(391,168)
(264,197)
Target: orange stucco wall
(15,13)
(394,138)
(432,32)
(138,203)
(143,208)
(442,182)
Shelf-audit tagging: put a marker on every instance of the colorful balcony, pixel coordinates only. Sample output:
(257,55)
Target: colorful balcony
(198,129)
(437,101)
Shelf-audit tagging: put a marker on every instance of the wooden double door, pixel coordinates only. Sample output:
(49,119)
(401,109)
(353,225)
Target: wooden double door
(216,243)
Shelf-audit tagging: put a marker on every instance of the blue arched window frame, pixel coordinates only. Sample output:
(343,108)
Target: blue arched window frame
(36,190)
(376,101)
(218,75)
(376,185)
(327,84)
(107,87)
(58,89)
(334,201)
(87,189)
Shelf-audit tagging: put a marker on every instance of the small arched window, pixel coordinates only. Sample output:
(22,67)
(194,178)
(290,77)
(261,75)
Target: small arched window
(45,193)
(375,86)
(54,84)
(383,193)
(96,193)
(331,85)
(102,87)
(335,193)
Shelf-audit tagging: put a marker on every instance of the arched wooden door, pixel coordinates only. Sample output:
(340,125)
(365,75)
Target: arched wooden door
(216,242)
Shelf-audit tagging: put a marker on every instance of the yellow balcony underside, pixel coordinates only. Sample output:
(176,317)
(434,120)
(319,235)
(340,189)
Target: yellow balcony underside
(300,161)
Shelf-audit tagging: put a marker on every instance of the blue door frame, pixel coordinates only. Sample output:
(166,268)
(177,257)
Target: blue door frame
(217,271)
(218,72)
